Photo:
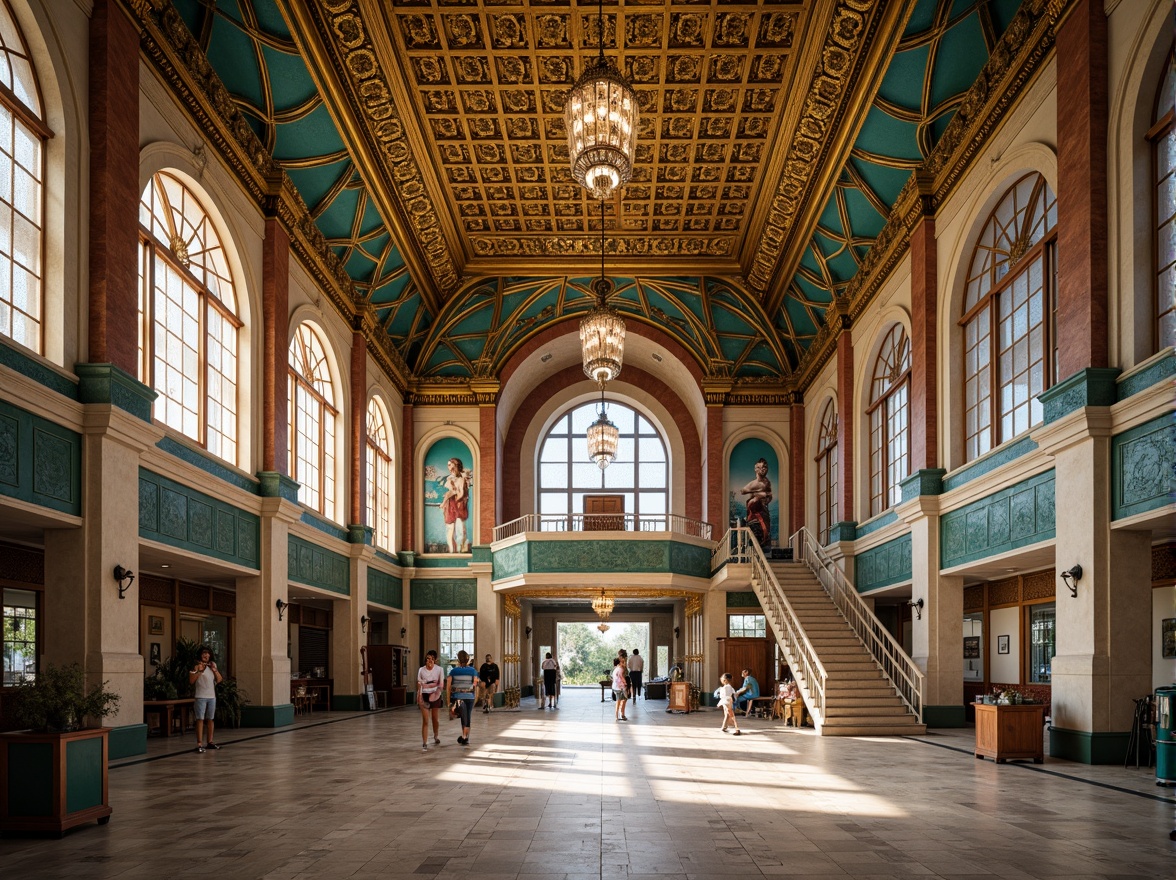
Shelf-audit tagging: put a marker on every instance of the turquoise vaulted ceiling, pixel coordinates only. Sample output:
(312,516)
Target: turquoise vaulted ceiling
(250,46)
(943,48)
(461,59)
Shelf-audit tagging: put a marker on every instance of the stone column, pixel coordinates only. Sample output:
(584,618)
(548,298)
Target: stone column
(715,395)
(275,299)
(408,486)
(92,626)
(114,188)
(357,471)
(486,393)
(924,346)
(938,627)
(262,658)
(845,419)
(1102,660)
(796,471)
(348,635)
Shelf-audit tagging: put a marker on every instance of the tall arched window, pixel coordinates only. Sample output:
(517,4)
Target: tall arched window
(188,344)
(1012,287)
(22,184)
(890,440)
(1163,137)
(827,473)
(640,471)
(379,475)
(312,422)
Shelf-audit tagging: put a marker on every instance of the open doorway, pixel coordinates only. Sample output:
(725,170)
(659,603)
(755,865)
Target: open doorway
(586,655)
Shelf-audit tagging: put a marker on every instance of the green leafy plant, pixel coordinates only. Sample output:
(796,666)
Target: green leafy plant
(58,700)
(230,700)
(177,668)
(156,687)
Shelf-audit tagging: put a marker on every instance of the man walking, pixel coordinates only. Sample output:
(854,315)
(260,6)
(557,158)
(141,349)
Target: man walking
(636,667)
(488,675)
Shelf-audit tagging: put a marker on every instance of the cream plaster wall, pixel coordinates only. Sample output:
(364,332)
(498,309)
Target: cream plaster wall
(1004,622)
(1163,607)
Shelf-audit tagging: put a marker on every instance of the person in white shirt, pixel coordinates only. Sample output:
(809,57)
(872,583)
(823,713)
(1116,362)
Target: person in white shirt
(204,678)
(430,685)
(636,667)
(726,697)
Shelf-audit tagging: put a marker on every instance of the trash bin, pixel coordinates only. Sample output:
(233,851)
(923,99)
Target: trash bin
(1166,735)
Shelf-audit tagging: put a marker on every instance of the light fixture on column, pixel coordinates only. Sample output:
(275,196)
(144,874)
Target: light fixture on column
(281,606)
(600,114)
(917,606)
(363,622)
(1071,577)
(602,331)
(603,605)
(603,436)
(125,578)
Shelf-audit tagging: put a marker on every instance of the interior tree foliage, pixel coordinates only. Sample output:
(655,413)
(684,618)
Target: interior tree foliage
(586,657)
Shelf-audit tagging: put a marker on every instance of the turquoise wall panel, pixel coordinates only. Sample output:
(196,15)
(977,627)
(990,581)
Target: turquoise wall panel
(177,515)
(743,600)
(385,589)
(40,462)
(1142,464)
(1017,516)
(444,595)
(881,566)
(562,557)
(310,564)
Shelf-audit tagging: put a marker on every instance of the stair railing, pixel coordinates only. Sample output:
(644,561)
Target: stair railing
(740,546)
(899,669)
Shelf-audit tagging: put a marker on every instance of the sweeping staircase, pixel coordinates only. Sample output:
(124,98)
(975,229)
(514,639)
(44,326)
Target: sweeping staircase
(855,678)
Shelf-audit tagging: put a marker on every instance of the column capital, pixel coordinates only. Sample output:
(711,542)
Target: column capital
(715,391)
(1079,426)
(277,485)
(485,391)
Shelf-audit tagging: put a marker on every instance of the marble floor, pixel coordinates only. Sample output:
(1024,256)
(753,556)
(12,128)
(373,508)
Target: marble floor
(573,794)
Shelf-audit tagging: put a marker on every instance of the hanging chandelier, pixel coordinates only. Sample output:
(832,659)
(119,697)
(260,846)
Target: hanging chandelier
(603,439)
(602,331)
(603,606)
(601,119)
(602,626)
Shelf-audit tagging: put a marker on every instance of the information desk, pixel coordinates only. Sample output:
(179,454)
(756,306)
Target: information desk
(168,712)
(1010,732)
(318,689)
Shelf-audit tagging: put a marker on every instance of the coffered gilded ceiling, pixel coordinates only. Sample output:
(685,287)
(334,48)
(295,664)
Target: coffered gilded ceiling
(426,139)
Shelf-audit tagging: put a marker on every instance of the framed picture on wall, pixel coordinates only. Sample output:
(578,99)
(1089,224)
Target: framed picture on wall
(154,625)
(1168,637)
(971,647)
(156,654)
(1002,644)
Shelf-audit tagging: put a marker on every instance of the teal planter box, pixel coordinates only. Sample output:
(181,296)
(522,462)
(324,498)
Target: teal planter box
(53,781)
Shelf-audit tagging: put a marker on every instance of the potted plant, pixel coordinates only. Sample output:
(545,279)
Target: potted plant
(56,771)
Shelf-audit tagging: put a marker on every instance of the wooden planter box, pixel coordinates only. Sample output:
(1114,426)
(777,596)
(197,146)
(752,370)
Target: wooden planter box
(1004,732)
(53,781)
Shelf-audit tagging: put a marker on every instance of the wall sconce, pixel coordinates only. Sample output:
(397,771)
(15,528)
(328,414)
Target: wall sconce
(403,632)
(281,606)
(677,631)
(528,631)
(917,605)
(1071,577)
(125,578)
(363,622)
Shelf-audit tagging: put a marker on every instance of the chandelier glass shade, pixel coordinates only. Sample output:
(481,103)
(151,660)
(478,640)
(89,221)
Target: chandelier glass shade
(603,438)
(601,119)
(602,337)
(603,606)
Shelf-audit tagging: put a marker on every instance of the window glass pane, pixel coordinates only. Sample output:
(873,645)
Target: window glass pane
(456,634)
(1042,630)
(20,636)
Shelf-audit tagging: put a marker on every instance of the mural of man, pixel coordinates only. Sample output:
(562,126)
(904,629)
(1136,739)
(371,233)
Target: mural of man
(759,496)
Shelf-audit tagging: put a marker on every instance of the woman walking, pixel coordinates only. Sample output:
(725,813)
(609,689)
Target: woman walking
(620,687)
(430,678)
(460,685)
(550,675)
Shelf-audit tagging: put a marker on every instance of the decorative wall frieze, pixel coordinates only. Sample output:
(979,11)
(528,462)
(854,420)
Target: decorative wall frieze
(856,47)
(1026,44)
(587,245)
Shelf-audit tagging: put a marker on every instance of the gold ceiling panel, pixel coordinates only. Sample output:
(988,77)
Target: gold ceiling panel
(487,82)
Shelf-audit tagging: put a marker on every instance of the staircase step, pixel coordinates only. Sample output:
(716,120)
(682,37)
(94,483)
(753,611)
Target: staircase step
(889,728)
(840,711)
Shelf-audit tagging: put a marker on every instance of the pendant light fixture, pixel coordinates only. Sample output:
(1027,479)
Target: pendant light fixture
(601,119)
(603,605)
(602,331)
(603,436)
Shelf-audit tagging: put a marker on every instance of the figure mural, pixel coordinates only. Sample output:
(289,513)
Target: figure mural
(752,499)
(448,486)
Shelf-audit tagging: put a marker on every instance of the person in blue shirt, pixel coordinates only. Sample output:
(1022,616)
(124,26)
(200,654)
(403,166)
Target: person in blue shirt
(748,691)
(460,684)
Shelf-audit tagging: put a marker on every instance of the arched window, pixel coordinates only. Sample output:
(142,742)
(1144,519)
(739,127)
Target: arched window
(379,475)
(188,344)
(22,184)
(890,440)
(1163,137)
(1012,287)
(640,471)
(312,422)
(827,473)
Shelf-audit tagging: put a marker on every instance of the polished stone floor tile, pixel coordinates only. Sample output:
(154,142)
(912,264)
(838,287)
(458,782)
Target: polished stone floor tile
(571,795)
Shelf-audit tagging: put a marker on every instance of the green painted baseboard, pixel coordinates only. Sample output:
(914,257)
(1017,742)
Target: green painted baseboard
(123,742)
(944,716)
(348,703)
(499,700)
(527,690)
(1087,747)
(267,716)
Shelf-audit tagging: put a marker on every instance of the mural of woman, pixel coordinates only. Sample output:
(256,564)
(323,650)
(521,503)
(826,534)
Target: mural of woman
(759,496)
(455,506)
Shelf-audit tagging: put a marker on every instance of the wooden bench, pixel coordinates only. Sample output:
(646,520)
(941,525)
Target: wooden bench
(764,707)
(169,712)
